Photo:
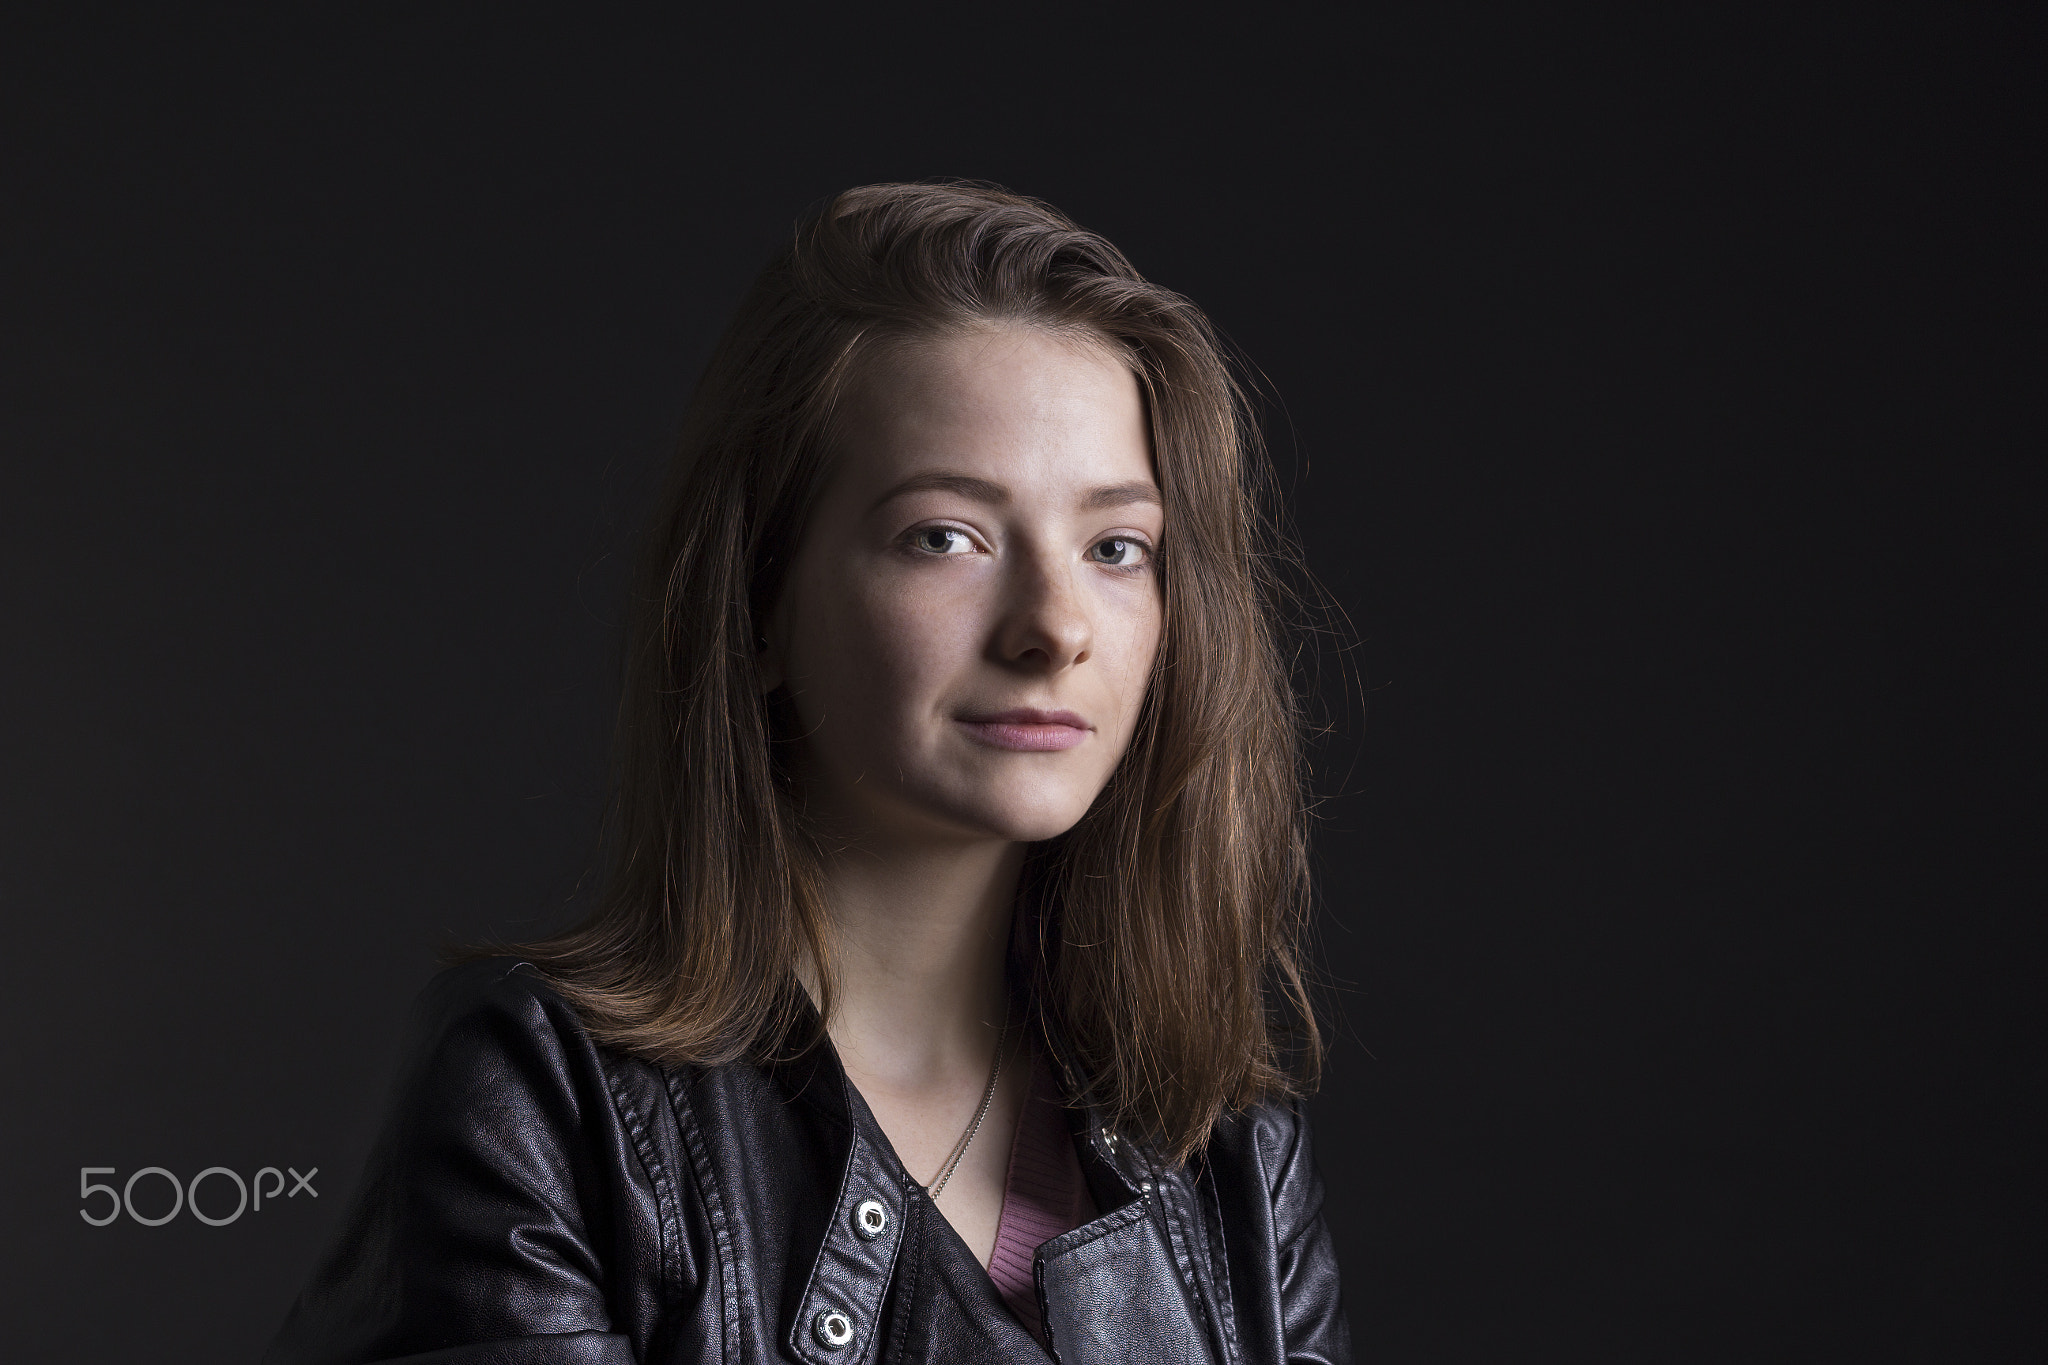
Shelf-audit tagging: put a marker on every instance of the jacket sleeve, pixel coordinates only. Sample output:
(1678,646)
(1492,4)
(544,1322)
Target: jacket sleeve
(1282,1265)
(1312,1310)
(484,1220)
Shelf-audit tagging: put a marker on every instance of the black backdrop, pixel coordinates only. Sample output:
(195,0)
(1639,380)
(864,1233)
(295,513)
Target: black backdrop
(1656,390)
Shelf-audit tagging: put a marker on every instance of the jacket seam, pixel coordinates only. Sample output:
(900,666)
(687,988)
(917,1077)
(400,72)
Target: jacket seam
(1179,1243)
(669,1222)
(714,1209)
(1211,1212)
(910,1256)
(1161,1180)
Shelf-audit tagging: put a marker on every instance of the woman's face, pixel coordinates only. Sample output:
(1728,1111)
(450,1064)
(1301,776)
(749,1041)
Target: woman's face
(967,630)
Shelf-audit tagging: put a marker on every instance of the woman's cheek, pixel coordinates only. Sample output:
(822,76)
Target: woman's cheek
(1136,632)
(923,624)
(889,649)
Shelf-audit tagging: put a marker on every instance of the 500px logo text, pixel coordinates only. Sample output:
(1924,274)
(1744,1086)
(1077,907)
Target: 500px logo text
(186,1196)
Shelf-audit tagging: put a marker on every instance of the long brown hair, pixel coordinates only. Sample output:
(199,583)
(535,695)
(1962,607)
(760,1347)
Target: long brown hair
(1167,951)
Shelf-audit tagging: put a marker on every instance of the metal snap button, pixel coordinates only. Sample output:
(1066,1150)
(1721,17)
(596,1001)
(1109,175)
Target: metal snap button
(871,1219)
(833,1327)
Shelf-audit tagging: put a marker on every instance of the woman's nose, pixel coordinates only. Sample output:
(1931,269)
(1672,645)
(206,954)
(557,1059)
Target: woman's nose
(1046,623)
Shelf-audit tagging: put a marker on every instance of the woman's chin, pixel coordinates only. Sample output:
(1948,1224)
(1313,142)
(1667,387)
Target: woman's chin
(1026,822)
(952,807)
(1037,831)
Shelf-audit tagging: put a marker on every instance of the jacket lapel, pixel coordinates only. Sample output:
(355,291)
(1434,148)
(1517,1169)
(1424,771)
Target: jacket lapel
(1121,1288)
(1115,1291)
(1111,1292)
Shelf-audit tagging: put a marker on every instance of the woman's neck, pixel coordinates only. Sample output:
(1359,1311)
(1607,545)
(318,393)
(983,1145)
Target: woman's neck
(920,936)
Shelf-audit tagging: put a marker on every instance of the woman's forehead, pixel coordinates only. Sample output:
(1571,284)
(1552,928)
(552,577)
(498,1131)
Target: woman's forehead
(1016,406)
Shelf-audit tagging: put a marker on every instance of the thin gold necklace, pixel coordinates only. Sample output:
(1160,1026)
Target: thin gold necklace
(995,1071)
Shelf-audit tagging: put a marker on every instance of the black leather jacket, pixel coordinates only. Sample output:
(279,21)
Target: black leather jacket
(537,1198)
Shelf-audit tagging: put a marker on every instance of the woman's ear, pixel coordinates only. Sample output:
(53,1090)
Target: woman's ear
(767,662)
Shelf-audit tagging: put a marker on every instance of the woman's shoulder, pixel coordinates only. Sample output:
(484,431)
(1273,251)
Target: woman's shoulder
(1269,1194)
(503,1194)
(492,999)
(1263,1156)
(485,986)
(1274,1131)
(492,1031)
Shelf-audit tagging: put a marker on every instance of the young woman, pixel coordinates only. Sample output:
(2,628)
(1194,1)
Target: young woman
(945,1003)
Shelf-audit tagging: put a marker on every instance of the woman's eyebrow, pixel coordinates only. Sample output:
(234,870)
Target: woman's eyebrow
(994,494)
(943,481)
(1121,495)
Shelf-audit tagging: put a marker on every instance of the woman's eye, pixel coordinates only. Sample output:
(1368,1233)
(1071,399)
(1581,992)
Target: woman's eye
(941,540)
(1118,552)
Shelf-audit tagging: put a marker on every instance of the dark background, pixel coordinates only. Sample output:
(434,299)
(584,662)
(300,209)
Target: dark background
(1658,392)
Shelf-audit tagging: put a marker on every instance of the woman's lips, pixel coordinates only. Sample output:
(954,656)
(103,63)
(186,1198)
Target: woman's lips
(1028,730)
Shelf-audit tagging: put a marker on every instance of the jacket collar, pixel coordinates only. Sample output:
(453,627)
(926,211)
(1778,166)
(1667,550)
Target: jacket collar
(847,1276)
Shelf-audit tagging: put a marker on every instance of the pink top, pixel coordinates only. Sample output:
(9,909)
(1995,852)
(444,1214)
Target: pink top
(1044,1195)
